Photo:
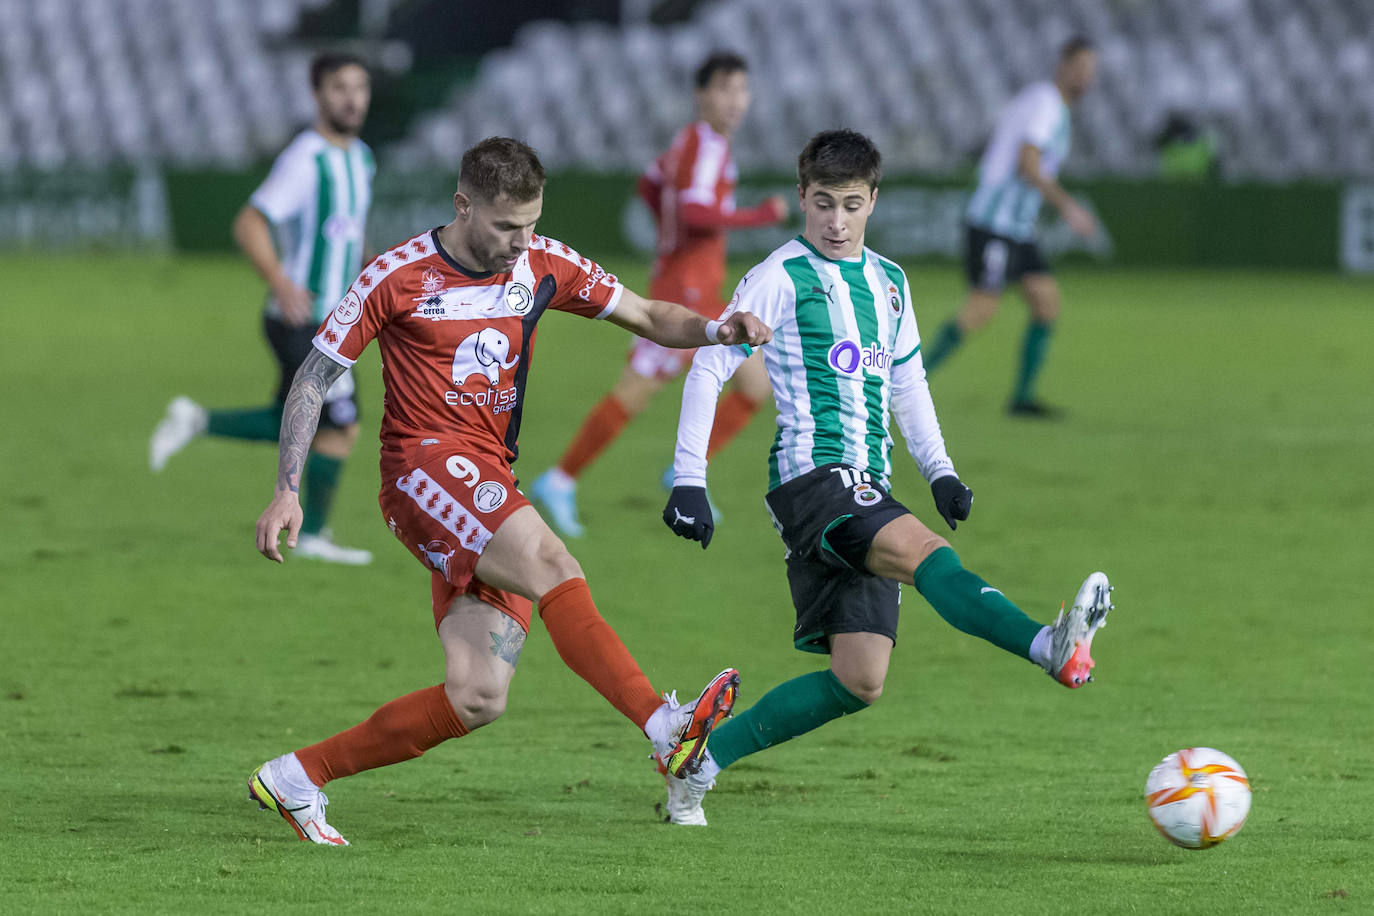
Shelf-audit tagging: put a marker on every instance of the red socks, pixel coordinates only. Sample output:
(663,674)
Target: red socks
(594,652)
(599,430)
(733,414)
(410,725)
(609,417)
(404,728)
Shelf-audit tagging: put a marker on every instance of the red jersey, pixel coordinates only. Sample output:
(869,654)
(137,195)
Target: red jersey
(691,190)
(456,345)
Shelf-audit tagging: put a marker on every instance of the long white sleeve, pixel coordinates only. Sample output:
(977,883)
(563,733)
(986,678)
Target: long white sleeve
(711,369)
(915,415)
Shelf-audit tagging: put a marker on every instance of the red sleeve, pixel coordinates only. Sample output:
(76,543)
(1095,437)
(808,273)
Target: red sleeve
(701,216)
(581,285)
(359,316)
(651,192)
(682,164)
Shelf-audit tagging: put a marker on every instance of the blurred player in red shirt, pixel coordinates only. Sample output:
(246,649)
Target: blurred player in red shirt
(691,191)
(454,311)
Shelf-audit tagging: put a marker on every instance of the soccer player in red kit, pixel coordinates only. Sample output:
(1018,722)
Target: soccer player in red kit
(454,311)
(691,191)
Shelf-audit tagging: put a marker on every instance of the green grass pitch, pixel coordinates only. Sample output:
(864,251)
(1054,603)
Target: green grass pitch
(1215,462)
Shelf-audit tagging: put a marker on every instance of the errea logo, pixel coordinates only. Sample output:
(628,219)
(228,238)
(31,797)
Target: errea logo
(848,358)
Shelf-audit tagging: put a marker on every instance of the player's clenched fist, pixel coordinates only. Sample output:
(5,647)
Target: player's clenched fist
(744,328)
(282,514)
(688,514)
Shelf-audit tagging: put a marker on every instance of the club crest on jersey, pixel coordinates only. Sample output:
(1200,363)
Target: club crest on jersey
(437,554)
(483,353)
(894,299)
(849,358)
(432,282)
(865,495)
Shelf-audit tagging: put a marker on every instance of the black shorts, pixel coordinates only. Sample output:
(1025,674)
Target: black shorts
(994,261)
(827,519)
(291,344)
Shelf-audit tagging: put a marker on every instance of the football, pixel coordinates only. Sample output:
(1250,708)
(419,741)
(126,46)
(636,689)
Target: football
(1197,797)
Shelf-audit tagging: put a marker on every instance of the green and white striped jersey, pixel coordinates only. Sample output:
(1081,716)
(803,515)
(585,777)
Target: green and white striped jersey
(316,198)
(1003,204)
(844,346)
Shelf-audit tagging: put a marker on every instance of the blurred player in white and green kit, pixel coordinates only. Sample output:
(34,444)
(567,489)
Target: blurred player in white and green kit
(316,199)
(1019,169)
(846,354)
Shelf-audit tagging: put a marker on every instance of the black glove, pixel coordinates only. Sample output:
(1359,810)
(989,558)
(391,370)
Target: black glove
(688,514)
(952,499)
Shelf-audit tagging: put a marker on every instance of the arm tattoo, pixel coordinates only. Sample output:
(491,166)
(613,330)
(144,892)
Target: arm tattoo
(301,415)
(507,644)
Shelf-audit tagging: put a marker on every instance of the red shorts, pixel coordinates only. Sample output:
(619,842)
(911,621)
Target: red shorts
(655,361)
(445,509)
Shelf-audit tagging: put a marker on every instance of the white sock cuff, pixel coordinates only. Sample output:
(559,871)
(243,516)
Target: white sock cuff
(1040,648)
(656,729)
(291,776)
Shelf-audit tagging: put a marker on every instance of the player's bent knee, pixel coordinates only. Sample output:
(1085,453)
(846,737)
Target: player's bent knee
(900,547)
(866,687)
(551,565)
(476,704)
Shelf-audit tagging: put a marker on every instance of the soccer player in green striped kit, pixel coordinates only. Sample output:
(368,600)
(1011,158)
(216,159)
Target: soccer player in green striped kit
(845,355)
(316,197)
(1019,169)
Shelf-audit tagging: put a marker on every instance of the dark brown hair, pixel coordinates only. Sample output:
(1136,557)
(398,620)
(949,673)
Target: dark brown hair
(726,62)
(501,167)
(1075,45)
(839,157)
(326,62)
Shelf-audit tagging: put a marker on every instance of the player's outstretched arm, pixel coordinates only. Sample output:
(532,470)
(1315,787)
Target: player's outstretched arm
(671,325)
(300,417)
(1078,218)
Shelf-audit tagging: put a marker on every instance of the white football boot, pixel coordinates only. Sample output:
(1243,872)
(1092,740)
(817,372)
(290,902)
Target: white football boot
(1071,636)
(184,420)
(305,815)
(322,547)
(684,798)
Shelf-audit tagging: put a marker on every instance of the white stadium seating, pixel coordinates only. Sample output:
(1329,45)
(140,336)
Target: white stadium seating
(1284,84)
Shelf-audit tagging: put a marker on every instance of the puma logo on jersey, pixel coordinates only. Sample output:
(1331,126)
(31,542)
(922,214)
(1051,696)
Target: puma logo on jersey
(825,292)
(988,588)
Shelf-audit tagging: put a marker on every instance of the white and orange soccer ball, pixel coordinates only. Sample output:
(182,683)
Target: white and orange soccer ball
(1197,797)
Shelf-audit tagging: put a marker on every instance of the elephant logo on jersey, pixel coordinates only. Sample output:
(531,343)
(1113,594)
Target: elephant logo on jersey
(482,353)
(437,554)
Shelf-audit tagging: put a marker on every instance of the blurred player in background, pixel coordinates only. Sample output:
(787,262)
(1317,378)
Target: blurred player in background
(691,191)
(316,198)
(453,311)
(846,351)
(1018,170)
